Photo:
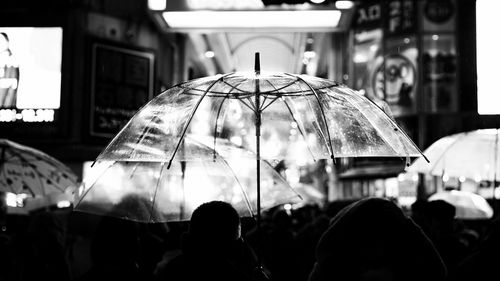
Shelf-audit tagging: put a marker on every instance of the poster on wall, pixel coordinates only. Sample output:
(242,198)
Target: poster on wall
(121,82)
(394,76)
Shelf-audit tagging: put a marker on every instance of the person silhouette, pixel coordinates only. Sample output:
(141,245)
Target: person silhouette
(213,248)
(125,249)
(373,239)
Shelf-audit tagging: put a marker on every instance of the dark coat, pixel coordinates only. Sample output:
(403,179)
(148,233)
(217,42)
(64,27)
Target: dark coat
(372,239)
(199,261)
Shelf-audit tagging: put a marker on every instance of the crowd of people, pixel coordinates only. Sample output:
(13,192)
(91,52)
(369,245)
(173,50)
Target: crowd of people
(366,239)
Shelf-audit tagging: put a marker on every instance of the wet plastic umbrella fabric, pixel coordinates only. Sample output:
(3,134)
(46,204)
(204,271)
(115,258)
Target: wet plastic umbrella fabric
(27,170)
(301,116)
(273,116)
(149,192)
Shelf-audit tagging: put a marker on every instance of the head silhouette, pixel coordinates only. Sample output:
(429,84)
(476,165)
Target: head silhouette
(216,223)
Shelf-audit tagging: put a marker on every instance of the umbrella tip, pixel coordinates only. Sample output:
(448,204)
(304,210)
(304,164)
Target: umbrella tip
(257,63)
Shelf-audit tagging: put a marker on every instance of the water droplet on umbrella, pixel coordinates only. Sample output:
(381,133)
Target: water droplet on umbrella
(9,181)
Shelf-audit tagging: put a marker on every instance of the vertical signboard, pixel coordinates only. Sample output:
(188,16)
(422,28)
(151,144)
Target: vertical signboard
(400,17)
(121,82)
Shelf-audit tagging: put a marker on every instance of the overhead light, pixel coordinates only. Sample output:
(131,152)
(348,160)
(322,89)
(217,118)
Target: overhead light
(317,1)
(309,54)
(344,5)
(209,54)
(253,19)
(157,5)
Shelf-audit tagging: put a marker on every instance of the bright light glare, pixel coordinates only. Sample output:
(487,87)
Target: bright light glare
(11,199)
(157,5)
(488,57)
(309,54)
(209,54)
(344,4)
(253,19)
(446,178)
(63,204)
(317,1)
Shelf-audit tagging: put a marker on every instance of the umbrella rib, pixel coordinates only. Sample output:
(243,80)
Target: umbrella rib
(156,192)
(26,162)
(191,118)
(294,120)
(250,104)
(247,199)
(329,141)
(446,150)
(216,123)
(145,131)
(218,113)
(369,120)
(91,187)
(298,127)
(292,93)
(2,171)
(271,102)
(235,87)
(400,130)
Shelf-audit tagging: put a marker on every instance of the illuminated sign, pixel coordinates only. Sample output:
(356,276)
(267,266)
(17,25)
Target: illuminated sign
(30,73)
(224,4)
(27,115)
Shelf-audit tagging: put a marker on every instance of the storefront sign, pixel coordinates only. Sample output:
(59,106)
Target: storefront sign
(401,17)
(368,16)
(121,82)
(438,11)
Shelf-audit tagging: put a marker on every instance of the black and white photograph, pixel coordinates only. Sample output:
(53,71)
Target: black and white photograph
(249,140)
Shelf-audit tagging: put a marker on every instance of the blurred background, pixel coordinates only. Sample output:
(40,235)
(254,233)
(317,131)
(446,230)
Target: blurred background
(85,67)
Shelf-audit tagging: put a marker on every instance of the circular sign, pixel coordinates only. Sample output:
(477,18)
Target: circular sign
(394,80)
(438,11)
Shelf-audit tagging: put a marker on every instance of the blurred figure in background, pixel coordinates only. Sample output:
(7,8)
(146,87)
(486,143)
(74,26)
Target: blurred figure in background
(372,239)
(125,249)
(437,220)
(482,263)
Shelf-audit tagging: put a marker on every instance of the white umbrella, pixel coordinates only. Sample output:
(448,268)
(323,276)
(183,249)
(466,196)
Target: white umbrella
(468,205)
(472,155)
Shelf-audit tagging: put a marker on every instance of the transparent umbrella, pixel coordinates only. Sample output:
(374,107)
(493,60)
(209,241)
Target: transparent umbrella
(273,115)
(147,191)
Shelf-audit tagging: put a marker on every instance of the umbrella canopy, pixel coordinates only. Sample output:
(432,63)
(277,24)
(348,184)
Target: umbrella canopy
(27,170)
(273,115)
(149,192)
(297,116)
(474,155)
(468,205)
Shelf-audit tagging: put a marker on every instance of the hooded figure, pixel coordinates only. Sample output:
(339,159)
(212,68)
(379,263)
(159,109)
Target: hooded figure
(372,239)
